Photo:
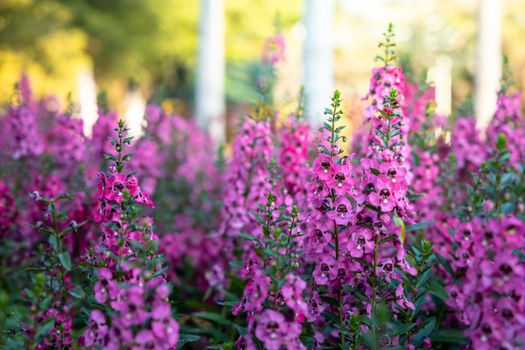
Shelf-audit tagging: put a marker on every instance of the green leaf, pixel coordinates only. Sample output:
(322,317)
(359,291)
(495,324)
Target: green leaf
(400,223)
(395,132)
(372,207)
(420,225)
(212,316)
(185,339)
(236,263)
(247,236)
(65,260)
(451,336)
(388,239)
(501,142)
(507,179)
(160,271)
(366,320)
(425,331)
(230,303)
(424,278)
(14,343)
(77,292)
(444,262)
(436,288)
(258,217)
(374,171)
(53,241)
(507,208)
(519,254)
(45,329)
(241,330)
(402,328)
(363,262)
(504,158)
(223,346)
(110,157)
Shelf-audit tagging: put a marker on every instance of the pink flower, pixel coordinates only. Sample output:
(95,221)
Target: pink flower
(245,343)
(292,292)
(105,286)
(131,307)
(360,243)
(274,50)
(324,167)
(341,181)
(342,212)
(97,330)
(272,329)
(427,343)
(116,184)
(255,293)
(323,270)
(163,325)
(145,340)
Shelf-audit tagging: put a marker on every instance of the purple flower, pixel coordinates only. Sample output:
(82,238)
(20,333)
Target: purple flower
(342,212)
(323,270)
(272,329)
(97,330)
(164,326)
(105,287)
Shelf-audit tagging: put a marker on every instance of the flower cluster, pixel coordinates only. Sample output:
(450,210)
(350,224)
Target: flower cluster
(20,126)
(293,158)
(508,121)
(7,209)
(246,185)
(274,50)
(382,208)
(135,294)
(273,296)
(65,141)
(467,147)
(489,299)
(141,315)
(383,80)
(58,323)
(248,173)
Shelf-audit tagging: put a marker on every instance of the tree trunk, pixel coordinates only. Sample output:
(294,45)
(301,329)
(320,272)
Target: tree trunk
(443,81)
(87,98)
(318,77)
(136,107)
(489,60)
(210,99)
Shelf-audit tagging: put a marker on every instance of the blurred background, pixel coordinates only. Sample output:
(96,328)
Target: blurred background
(203,57)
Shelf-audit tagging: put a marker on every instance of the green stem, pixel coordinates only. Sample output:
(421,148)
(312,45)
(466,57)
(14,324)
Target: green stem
(340,314)
(293,223)
(59,249)
(374,288)
(340,294)
(336,238)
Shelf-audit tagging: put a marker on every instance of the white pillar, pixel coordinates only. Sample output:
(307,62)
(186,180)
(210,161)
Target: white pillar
(87,97)
(489,60)
(136,107)
(209,90)
(318,78)
(443,81)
